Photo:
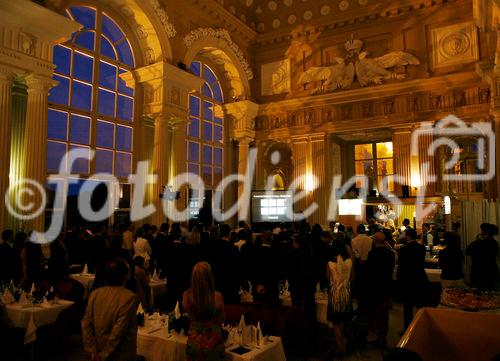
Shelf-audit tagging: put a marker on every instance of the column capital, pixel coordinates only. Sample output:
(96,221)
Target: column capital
(6,73)
(36,82)
(402,129)
(244,109)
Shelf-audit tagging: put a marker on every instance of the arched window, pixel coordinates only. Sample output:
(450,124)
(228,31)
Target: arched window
(205,131)
(91,107)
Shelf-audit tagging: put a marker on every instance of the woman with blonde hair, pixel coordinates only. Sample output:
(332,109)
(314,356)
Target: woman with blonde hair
(205,307)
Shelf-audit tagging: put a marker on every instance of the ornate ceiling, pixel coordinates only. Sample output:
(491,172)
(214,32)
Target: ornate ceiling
(274,15)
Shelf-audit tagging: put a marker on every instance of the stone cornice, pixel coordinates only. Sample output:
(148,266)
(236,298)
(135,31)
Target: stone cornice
(374,92)
(37,21)
(370,13)
(217,12)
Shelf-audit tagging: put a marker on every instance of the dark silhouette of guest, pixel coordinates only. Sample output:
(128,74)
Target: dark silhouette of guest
(483,252)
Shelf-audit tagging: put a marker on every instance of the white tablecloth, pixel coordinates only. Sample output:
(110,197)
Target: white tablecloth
(87,280)
(434,275)
(160,346)
(31,317)
(321,306)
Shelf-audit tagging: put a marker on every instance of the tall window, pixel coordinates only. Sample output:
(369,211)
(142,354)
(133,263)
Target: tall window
(374,160)
(205,141)
(466,165)
(92,108)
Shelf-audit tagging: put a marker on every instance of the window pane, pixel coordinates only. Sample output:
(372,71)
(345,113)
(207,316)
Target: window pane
(80,165)
(207,154)
(217,92)
(217,175)
(62,59)
(123,164)
(207,131)
(104,161)
(86,40)
(194,128)
(218,156)
(55,152)
(84,15)
(125,53)
(125,108)
(217,133)
(81,95)
(209,75)
(123,138)
(110,29)
(363,151)
(384,167)
(122,86)
(105,134)
(194,168)
(194,152)
(194,106)
(79,129)
(207,176)
(364,168)
(390,183)
(106,103)
(57,124)
(60,93)
(207,108)
(107,75)
(107,49)
(384,150)
(207,91)
(83,67)
(218,120)
(195,68)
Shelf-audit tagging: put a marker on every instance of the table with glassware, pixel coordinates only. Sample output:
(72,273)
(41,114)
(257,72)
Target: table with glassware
(87,281)
(156,343)
(321,299)
(33,315)
(158,287)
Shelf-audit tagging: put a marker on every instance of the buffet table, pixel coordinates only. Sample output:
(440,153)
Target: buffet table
(156,344)
(433,274)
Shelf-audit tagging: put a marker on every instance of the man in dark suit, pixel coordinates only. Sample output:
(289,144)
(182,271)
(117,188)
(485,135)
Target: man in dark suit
(412,278)
(178,268)
(263,272)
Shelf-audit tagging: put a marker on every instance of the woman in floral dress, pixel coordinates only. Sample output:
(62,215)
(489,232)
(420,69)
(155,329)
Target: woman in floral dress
(205,307)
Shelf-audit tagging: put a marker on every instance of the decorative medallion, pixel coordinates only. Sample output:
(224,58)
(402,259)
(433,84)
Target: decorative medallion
(258,10)
(200,33)
(292,19)
(288,2)
(325,10)
(344,5)
(308,14)
(276,23)
(272,5)
(454,44)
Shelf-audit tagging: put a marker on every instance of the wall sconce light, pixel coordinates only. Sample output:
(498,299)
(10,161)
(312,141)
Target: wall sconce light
(310,183)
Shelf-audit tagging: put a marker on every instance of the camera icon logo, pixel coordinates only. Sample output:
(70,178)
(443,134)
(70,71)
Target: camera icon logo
(445,133)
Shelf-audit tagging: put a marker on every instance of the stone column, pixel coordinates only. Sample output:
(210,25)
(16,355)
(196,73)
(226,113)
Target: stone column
(6,78)
(424,143)
(17,158)
(242,116)
(178,155)
(35,139)
(160,164)
(401,143)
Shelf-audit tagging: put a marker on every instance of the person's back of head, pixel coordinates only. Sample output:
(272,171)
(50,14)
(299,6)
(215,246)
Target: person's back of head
(164,227)
(242,235)
(401,354)
(225,230)
(202,291)
(451,241)
(411,234)
(117,272)
(139,233)
(489,229)
(360,229)
(116,242)
(139,261)
(7,235)
(341,228)
(406,222)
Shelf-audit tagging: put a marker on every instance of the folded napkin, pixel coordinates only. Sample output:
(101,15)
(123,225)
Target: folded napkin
(246,335)
(45,303)
(318,288)
(155,276)
(260,335)
(286,285)
(177,311)
(23,300)
(242,324)
(140,309)
(7,297)
(30,334)
(85,270)
(33,289)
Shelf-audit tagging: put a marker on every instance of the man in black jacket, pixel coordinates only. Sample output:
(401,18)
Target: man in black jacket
(411,275)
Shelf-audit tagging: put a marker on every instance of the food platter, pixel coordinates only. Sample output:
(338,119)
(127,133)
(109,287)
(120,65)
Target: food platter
(470,299)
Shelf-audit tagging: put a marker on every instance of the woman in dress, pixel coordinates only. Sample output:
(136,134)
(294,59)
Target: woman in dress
(451,262)
(339,270)
(205,307)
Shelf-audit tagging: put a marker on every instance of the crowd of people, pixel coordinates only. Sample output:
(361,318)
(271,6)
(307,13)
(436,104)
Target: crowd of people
(355,267)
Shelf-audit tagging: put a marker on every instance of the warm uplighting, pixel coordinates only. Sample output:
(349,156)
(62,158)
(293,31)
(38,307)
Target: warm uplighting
(447,205)
(309,186)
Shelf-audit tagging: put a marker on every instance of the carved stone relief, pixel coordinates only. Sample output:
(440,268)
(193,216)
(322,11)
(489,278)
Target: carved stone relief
(276,77)
(454,44)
